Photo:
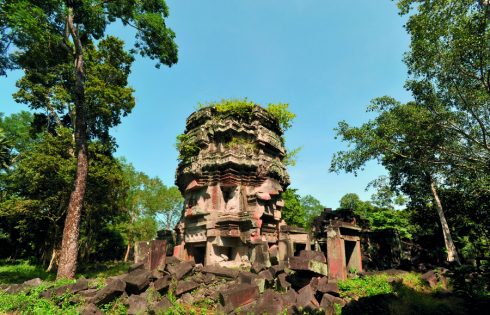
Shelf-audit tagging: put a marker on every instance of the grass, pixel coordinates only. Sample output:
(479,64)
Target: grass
(28,302)
(401,294)
(19,271)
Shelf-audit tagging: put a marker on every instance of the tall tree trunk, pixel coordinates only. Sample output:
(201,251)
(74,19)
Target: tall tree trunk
(69,245)
(452,254)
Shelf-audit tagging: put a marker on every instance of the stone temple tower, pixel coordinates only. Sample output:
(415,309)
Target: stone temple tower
(231,175)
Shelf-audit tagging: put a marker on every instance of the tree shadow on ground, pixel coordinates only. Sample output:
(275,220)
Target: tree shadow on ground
(20,271)
(407,301)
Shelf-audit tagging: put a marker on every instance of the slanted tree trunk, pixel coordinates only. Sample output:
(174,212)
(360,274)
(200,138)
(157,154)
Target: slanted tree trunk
(69,245)
(452,254)
(128,249)
(52,262)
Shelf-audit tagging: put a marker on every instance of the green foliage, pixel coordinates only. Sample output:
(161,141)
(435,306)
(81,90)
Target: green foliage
(282,114)
(4,151)
(300,211)
(239,109)
(441,138)
(30,303)
(290,158)
(242,109)
(187,147)
(365,286)
(379,218)
(20,271)
(149,205)
(471,281)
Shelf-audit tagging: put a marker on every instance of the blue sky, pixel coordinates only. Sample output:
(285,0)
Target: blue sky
(326,58)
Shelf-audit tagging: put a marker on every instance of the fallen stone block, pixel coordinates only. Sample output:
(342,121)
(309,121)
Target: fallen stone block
(80,285)
(185,286)
(221,271)
(306,298)
(208,278)
(247,277)
(88,293)
(156,274)
(271,302)
(258,267)
(137,281)
(267,275)
(434,279)
(33,282)
(331,287)
(109,293)
(282,282)
(160,307)
(290,297)
(277,269)
(180,270)
(300,263)
(137,305)
(300,279)
(238,295)
(313,255)
(16,288)
(172,260)
(327,306)
(90,309)
(161,285)
(136,266)
(333,299)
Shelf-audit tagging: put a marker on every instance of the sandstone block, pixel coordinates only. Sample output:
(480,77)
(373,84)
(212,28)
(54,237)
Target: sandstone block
(137,281)
(109,292)
(239,295)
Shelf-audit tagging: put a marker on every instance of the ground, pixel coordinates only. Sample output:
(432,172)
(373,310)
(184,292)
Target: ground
(379,293)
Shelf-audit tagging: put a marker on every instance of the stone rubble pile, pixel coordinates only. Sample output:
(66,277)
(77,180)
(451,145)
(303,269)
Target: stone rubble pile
(298,286)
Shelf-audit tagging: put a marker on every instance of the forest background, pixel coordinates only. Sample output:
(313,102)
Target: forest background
(433,148)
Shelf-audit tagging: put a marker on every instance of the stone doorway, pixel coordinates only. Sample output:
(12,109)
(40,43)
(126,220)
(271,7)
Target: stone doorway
(198,252)
(352,258)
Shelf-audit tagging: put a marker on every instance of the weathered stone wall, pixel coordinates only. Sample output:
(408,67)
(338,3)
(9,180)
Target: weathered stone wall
(232,183)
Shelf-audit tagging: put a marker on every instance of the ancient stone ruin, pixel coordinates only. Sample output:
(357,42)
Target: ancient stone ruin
(232,175)
(338,236)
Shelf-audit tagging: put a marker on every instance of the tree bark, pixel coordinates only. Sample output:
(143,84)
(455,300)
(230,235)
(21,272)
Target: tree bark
(69,245)
(52,262)
(452,254)
(128,249)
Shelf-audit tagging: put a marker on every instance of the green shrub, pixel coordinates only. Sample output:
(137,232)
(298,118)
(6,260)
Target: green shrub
(282,114)
(187,147)
(365,286)
(30,303)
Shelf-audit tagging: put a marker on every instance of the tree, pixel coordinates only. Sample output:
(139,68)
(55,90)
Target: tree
(54,42)
(378,218)
(300,211)
(35,190)
(147,202)
(449,68)
(293,213)
(312,207)
(4,150)
(405,140)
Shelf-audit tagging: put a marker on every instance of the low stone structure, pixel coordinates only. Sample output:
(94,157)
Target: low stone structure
(232,175)
(339,237)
